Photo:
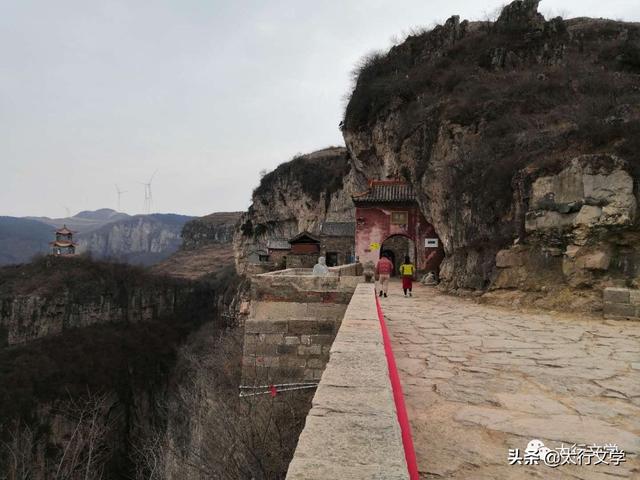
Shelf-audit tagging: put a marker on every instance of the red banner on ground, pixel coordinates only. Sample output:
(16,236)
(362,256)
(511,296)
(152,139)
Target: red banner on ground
(398,398)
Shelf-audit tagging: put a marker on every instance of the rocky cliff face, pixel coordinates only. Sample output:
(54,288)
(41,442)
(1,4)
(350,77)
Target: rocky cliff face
(27,317)
(216,228)
(143,239)
(88,368)
(580,227)
(299,195)
(523,130)
(53,295)
(207,247)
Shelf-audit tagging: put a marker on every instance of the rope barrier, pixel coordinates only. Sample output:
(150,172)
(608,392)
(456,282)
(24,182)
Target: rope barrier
(273,391)
(279,385)
(398,398)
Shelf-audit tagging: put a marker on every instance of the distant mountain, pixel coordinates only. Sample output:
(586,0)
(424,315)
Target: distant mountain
(105,233)
(86,220)
(22,238)
(139,239)
(101,215)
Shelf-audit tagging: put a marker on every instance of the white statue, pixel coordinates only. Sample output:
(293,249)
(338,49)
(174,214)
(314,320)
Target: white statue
(369,270)
(320,269)
(430,279)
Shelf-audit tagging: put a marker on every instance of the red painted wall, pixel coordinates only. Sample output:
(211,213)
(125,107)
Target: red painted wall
(305,248)
(373,225)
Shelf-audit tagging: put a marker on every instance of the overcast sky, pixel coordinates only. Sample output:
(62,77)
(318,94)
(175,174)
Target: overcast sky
(99,92)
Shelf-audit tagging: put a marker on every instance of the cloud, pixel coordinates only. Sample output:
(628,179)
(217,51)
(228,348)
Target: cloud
(207,92)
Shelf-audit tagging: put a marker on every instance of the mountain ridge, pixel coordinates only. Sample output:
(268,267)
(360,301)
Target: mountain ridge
(105,233)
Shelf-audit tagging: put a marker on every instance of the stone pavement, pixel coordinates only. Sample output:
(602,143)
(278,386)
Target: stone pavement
(480,380)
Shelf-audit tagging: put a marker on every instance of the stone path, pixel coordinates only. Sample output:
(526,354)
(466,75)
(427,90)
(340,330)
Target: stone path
(480,380)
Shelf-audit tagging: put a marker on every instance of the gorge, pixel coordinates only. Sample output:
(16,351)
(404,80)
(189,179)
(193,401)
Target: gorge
(520,138)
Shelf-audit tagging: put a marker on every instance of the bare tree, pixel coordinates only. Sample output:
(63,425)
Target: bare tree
(211,432)
(16,461)
(87,449)
(83,426)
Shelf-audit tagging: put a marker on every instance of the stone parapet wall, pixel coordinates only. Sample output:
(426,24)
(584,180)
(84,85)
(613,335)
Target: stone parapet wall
(299,285)
(348,270)
(288,341)
(293,319)
(302,260)
(352,431)
(258,268)
(622,303)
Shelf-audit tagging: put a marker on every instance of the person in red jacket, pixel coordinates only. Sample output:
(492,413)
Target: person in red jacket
(384,268)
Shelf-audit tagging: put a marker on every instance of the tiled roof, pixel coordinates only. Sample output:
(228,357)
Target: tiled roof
(338,229)
(278,244)
(390,191)
(304,237)
(64,231)
(60,243)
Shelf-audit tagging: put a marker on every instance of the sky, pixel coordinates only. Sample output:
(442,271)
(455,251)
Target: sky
(207,93)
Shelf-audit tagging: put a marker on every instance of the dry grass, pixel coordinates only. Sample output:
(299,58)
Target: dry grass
(197,263)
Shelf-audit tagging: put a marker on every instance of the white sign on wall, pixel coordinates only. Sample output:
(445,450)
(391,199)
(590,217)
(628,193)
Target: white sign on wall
(431,242)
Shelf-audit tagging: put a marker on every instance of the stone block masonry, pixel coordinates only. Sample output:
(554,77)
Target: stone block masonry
(622,303)
(352,431)
(290,349)
(293,320)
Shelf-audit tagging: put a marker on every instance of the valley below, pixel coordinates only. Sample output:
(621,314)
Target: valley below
(518,141)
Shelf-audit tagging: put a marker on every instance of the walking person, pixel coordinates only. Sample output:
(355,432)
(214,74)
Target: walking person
(407,271)
(384,268)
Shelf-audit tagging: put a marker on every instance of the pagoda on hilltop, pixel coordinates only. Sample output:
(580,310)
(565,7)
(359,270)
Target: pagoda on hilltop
(63,244)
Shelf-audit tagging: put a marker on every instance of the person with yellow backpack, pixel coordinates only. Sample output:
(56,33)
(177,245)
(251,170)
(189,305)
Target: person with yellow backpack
(407,271)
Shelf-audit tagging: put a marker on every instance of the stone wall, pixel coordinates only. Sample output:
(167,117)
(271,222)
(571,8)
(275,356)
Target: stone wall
(302,260)
(343,246)
(349,270)
(352,429)
(293,319)
(258,268)
(622,303)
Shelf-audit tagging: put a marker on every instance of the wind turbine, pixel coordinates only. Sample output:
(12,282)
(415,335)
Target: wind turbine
(120,192)
(148,197)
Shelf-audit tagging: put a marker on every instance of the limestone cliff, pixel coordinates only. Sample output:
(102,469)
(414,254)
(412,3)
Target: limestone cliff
(141,239)
(88,351)
(298,195)
(53,295)
(207,247)
(520,130)
(216,228)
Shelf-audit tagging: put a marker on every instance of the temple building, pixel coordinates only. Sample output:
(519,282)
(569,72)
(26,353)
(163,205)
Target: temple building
(305,250)
(63,244)
(389,222)
(277,250)
(337,242)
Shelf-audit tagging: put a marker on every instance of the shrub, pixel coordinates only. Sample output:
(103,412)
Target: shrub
(315,175)
(108,357)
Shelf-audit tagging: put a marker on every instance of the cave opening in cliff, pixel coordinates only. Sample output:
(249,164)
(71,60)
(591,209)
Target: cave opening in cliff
(396,247)
(389,220)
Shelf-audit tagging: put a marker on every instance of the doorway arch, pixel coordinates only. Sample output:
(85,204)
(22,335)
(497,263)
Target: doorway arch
(396,247)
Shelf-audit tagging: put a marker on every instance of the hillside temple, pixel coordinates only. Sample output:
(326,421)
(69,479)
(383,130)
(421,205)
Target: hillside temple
(63,244)
(389,222)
